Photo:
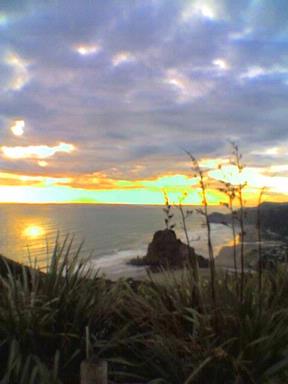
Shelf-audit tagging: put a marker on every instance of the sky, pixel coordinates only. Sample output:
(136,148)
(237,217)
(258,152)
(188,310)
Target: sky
(99,100)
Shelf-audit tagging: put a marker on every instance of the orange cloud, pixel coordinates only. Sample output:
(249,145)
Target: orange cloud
(101,188)
(12,179)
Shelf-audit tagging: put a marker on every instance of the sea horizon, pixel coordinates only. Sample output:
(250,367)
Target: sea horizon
(112,234)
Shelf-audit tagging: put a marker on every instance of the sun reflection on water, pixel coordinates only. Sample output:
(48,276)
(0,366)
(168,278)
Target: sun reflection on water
(230,243)
(33,231)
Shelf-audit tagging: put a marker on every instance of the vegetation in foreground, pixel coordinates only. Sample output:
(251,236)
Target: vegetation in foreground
(148,332)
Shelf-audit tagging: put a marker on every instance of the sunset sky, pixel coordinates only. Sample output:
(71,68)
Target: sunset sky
(100,99)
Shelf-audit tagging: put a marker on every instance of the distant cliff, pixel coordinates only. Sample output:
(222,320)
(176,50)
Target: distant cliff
(274,217)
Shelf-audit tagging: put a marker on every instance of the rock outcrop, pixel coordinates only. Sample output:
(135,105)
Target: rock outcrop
(165,250)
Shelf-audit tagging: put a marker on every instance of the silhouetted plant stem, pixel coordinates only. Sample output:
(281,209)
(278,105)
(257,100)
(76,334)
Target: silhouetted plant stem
(229,190)
(168,214)
(259,238)
(205,214)
(192,257)
(234,237)
(239,189)
(242,237)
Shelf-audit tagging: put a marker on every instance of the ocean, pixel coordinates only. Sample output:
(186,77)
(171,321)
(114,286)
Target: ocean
(112,234)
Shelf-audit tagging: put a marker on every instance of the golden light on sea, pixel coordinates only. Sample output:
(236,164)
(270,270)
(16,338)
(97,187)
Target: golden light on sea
(33,231)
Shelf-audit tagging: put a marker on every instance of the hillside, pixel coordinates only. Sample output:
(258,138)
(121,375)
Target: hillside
(274,218)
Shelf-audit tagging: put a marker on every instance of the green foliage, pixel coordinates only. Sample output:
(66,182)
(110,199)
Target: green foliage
(49,312)
(234,343)
(28,369)
(150,332)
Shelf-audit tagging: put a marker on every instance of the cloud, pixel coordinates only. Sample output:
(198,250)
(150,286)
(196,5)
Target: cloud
(257,71)
(122,57)
(3,20)
(133,83)
(31,180)
(36,152)
(198,8)
(86,50)
(20,71)
(221,64)
(43,163)
(18,127)
(188,89)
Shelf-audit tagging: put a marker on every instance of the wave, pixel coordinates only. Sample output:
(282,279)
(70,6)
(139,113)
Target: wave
(114,264)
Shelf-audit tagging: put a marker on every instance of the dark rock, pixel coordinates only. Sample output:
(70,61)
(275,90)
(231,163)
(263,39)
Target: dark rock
(166,250)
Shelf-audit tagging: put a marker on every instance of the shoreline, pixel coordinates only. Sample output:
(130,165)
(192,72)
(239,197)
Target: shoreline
(223,260)
(225,257)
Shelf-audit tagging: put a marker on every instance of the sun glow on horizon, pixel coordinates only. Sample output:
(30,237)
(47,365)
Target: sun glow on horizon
(45,190)
(100,188)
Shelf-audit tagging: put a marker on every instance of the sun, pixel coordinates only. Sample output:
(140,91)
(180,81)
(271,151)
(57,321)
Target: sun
(33,231)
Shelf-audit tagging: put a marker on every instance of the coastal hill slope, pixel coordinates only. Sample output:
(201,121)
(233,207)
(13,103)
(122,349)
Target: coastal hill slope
(274,217)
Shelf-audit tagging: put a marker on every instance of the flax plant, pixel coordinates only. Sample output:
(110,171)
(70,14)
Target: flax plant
(230,192)
(168,213)
(169,341)
(46,312)
(237,162)
(29,369)
(259,238)
(192,256)
(204,212)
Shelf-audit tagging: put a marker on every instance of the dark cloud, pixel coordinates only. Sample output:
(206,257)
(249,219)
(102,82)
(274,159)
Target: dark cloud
(151,88)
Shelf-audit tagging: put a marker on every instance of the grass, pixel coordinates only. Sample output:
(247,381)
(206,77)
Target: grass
(47,314)
(233,343)
(150,332)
